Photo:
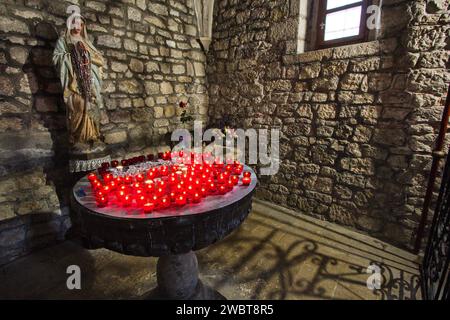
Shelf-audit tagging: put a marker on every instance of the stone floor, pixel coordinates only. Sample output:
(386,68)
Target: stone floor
(276,254)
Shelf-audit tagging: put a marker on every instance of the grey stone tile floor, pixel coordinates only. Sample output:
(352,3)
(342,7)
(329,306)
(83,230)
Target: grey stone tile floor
(276,254)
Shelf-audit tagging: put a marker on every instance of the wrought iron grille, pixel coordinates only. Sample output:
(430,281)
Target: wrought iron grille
(435,266)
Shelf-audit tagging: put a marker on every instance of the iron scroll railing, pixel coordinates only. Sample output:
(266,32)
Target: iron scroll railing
(435,267)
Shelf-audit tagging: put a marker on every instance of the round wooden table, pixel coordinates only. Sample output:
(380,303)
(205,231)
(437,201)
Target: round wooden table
(171,234)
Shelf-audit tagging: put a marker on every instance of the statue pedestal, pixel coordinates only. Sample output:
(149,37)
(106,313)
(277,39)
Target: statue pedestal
(84,158)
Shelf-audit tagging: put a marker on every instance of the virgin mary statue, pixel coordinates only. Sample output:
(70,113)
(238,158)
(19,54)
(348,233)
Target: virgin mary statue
(79,65)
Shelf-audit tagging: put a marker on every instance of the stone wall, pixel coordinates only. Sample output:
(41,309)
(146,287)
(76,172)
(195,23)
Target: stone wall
(357,122)
(153,62)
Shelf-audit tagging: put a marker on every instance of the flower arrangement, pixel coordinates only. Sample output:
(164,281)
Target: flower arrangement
(185,115)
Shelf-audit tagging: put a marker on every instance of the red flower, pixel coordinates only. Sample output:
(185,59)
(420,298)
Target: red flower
(183,104)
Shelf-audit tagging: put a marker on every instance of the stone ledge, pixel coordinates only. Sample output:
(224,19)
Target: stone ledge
(363,49)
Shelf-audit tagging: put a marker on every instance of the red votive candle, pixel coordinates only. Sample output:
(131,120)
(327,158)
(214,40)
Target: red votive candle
(140,177)
(92,177)
(94,183)
(190,189)
(203,191)
(97,185)
(126,200)
(112,185)
(119,181)
(163,171)
(172,180)
(124,163)
(139,191)
(173,196)
(212,187)
(196,197)
(140,200)
(149,207)
(151,174)
(221,178)
(229,167)
(107,177)
(106,190)
(235,180)
(128,180)
(99,194)
(159,191)
(155,199)
(180,200)
(246,181)
(120,195)
(162,184)
(105,165)
(114,163)
(222,189)
(149,186)
(230,183)
(247,174)
(137,185)
(165,202)
(179,188)
(238,169)
(102,201)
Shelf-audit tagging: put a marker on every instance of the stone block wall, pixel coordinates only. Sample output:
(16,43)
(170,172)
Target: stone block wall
(153,63)
(357,123)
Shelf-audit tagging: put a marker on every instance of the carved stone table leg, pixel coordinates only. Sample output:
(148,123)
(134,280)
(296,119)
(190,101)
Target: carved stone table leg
(177,278)
(177,275)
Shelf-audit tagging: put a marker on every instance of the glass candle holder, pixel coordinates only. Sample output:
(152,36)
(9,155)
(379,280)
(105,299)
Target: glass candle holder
(107,177)
(165,202)
(102,201)
(105,165)
(128,180)
(180,200)
(222,189)
(97,185)
(99,194)
(140,200)
(127,200)
(159,191)
(118,180)
(221,178)
(196,197)
(238,169)
(140,177)
(149,186)
(149,207)
(246,181)
(112,185)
